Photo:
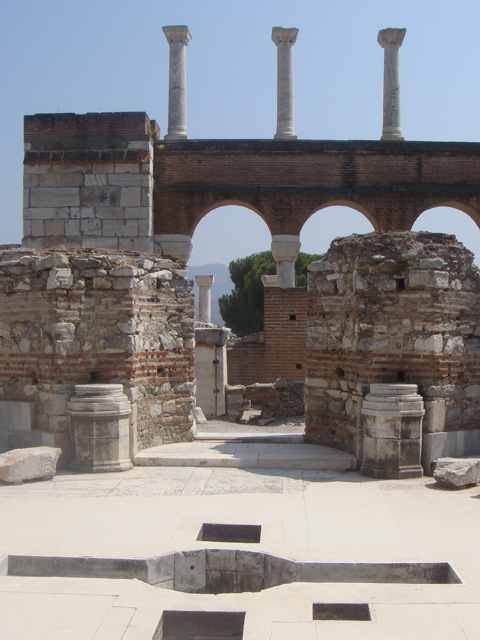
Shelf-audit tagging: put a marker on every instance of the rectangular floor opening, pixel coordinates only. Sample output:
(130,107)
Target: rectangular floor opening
(212,532)
(200,625)
(341,611)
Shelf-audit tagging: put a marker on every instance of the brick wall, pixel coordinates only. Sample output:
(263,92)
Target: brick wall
(396,307)
(392,183)
(107,180)
(80,316)
(88,181)
(280,350)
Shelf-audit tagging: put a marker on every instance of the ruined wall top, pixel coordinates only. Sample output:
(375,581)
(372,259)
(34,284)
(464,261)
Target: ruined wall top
(396,252)
(128,123)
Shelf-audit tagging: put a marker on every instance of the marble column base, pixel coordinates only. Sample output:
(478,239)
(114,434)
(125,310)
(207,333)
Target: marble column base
(173,244)
(99,428)
(392,417)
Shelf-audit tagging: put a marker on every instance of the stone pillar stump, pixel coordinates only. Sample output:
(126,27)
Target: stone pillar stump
(392,417)
(99,428)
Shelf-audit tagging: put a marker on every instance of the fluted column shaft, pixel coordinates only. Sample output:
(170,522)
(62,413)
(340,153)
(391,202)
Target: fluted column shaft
(178,38)
(391,41)
(284,40)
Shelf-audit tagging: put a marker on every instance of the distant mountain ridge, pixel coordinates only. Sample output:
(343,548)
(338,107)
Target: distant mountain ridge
(221,285)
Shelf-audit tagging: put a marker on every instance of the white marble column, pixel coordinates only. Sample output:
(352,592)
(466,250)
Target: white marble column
(285,250)
(284,40)
(177,245)
(178,38)
(391,41)
(204,284)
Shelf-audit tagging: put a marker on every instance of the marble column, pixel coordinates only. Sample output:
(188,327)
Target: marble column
(391,41)
(178,38)
(204,284)
(284,40)
(285,250)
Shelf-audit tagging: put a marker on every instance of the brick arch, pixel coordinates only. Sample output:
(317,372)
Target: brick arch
(472,212)
(235,202)
(350,205)
(391,183)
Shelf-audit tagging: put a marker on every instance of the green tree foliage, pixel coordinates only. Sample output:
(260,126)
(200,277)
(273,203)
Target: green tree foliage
(242,310)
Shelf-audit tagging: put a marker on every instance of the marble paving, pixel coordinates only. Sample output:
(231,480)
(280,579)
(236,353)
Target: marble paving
(323,516)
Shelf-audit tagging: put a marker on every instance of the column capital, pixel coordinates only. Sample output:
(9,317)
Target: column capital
(279,35)
(204,281)
(391,36)
(178,33)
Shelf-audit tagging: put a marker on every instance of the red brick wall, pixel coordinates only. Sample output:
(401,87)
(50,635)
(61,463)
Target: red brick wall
(282,352)
(89,124)
(392,183)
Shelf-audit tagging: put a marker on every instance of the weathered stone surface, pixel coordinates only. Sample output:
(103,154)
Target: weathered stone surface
(18,465)
(457,473)
(94,331)
(422,328)
(59,279)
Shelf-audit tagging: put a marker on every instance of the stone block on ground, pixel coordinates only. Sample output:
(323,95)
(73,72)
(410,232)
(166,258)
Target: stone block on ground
(33,463)
(457,473)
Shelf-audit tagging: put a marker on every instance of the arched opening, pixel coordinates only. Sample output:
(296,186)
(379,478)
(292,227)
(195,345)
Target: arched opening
(333,220)
(454,218)
(225,233)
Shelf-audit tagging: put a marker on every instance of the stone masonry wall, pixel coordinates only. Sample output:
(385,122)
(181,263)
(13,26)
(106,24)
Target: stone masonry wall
(275,400)
(78,316)
(280,349)
(392,307)
(88,181)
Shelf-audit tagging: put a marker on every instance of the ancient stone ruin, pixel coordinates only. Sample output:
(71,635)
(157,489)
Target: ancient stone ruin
(98,293)
(71,317)
(396,307)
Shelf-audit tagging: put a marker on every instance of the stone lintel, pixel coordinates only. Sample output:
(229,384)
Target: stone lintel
(280,34)
(177,33)
(391,36)
(212,335)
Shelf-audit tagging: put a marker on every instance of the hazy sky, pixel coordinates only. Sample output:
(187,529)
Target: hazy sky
(111,55)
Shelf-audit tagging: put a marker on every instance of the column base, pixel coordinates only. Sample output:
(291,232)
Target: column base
(393,136)
(177,245)
(285,136)
(100,467)
(371,471)
(176,135)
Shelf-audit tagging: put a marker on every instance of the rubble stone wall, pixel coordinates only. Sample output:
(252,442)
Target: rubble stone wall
(78,316)
(275,400)
(386,308)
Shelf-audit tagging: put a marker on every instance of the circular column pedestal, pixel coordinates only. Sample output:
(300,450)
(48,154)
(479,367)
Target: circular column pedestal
(99,428)
(392,417)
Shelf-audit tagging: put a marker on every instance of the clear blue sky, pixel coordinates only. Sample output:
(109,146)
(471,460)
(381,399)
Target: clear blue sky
(64,56)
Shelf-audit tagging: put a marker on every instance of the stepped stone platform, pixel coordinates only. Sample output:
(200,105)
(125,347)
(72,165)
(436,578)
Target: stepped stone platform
(246,455)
